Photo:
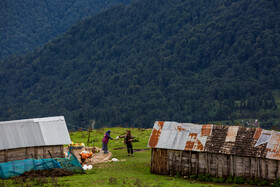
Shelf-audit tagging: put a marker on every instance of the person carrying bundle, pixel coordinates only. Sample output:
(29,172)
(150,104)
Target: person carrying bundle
(128,138)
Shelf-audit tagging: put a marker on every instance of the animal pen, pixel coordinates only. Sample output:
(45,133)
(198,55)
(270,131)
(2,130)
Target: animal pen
(33,138)
(221,151)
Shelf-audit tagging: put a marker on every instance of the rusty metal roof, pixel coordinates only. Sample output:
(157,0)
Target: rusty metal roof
(243,141)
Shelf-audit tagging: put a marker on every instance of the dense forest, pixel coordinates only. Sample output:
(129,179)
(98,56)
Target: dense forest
(25,25)
(182,60)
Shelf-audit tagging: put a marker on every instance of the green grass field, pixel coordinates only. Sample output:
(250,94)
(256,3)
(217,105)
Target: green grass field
(132,171)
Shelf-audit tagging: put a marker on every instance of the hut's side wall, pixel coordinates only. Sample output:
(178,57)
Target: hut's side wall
(188,163)
(31,152)
(159,161)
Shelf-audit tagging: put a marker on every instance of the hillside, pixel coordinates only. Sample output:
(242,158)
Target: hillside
(187,61)
(26,25)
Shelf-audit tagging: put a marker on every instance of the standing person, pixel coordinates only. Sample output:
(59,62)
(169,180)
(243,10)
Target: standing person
(105,141)
(128,141)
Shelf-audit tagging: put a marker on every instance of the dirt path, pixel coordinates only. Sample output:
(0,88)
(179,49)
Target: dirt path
(96,158)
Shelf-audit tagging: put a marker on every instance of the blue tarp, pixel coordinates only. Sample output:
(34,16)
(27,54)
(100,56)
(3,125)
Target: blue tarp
(16,168)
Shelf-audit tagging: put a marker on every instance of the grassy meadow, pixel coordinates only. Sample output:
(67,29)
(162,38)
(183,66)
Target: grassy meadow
(129,171)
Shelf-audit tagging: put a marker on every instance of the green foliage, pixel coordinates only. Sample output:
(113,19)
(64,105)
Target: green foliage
(276,183)
(239,180)
(193,177)
(229,179)
(186,61)
(28,25)
(203,177)
(264,183)
(218,180)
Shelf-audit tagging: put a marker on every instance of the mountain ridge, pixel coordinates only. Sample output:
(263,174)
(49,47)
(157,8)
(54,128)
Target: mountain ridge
(189,61)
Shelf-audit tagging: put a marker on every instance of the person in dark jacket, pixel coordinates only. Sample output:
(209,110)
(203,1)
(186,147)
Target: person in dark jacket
(128,138)
(105,141)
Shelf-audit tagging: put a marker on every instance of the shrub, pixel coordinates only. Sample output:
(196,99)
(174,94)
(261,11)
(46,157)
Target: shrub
(203,177)
(218,180)
(193,177)
(229,179)
(239,180)
(263,183)
(276,183)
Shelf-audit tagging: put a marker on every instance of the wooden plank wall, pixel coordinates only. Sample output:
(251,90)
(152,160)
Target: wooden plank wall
(188,163)
(31,152)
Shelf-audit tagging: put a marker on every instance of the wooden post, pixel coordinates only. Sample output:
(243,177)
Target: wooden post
(62,151)
(89,130)
(26,153)
(266,169)
(260,168)
(168,169)
(174,163)
(277,170)
(6,155)
(222,162)
(152,164)
(190,162)
(206,161)
(180,166)
(160,158)
(50,154)
(217,168)
(197,164)
(233,166)
(250,162)
(243,166)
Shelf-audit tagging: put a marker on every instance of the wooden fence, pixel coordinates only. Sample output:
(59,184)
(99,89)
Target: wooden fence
(188,163)
(31,152)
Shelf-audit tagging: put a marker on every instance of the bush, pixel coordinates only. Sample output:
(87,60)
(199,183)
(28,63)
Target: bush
(193,177)
(263,183)
(218,180)
(203,177)
(229,179)
(276,183)
(239,180)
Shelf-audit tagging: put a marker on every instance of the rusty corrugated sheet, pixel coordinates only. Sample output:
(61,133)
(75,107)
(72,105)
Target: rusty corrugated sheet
(254,142)
(179,136)
(272,147)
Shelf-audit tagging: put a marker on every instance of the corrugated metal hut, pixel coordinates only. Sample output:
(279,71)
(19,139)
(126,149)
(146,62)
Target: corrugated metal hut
(191,149)
(33,138)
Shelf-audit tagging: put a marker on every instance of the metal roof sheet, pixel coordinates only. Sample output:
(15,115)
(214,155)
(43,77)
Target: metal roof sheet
(180,136)
(33,132)
(216,139)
